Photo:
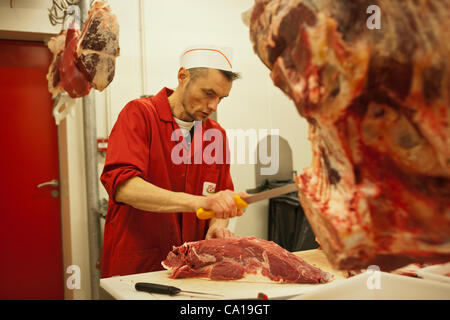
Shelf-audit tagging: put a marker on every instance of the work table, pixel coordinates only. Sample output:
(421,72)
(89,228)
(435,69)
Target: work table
(122,287)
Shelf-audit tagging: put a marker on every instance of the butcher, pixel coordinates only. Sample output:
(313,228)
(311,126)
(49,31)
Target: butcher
(155,191)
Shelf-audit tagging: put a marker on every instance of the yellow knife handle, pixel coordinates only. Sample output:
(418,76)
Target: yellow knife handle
(240,204)
(203,214)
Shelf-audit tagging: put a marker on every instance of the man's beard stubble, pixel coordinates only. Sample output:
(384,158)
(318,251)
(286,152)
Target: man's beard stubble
(184,104)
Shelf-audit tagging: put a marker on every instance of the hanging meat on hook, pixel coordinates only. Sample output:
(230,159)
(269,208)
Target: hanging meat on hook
(86,59)
(99,46)
(377,102)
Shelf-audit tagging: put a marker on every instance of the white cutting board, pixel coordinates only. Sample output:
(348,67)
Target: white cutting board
(122,287)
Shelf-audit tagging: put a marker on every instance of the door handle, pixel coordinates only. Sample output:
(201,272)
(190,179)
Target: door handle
(52,183)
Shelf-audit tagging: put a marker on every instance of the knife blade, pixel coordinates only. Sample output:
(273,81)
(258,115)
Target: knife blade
(242,204)
(165,289)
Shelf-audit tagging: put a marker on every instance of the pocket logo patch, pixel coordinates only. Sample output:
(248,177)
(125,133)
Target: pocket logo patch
(208,188)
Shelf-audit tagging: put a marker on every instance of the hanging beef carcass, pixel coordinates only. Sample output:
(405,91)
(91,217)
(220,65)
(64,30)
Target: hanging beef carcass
(378,106)
(99,46)
(73,80)
(56,45)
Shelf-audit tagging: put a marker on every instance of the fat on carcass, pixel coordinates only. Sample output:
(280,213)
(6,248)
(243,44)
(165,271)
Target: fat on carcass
(377,102)
(99,46)
(56,45)
(73,80)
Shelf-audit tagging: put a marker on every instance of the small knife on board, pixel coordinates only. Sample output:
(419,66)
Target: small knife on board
(241,204)
(165,289)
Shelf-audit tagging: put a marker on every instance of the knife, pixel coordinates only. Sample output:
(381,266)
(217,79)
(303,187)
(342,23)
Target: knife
(164,289)
(241,204)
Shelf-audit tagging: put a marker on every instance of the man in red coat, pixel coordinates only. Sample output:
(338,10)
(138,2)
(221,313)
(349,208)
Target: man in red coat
(159,168)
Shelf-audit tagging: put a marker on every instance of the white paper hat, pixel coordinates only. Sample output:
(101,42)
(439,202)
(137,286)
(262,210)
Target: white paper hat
(206,56)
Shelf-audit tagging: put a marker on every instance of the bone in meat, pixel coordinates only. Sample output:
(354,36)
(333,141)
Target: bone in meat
(378,107)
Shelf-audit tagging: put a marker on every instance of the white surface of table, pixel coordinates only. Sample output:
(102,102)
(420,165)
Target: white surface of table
(122,287)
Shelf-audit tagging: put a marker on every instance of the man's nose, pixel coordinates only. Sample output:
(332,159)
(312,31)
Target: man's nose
(212,104)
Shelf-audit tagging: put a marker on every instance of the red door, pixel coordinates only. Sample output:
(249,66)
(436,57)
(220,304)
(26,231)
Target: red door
(30,222)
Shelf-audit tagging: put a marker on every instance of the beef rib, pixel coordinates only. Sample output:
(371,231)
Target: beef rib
(377,102)
(236,258)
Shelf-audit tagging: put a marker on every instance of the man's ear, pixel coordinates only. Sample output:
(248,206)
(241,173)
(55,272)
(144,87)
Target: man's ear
(183,76)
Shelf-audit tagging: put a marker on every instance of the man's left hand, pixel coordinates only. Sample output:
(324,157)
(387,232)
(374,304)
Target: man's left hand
(219,232)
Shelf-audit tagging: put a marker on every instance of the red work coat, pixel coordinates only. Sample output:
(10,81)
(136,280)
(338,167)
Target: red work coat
(141,144)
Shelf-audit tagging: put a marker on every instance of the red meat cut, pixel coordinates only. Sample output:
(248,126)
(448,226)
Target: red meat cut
(234,258)
(377,102)
(72,80)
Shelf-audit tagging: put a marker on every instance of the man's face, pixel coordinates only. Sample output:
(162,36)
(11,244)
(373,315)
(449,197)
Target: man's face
(202,95)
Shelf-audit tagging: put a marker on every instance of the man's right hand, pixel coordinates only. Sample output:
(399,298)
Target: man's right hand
(222,203)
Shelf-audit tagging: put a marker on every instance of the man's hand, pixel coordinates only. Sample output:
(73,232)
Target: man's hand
(219,232)
(222,203)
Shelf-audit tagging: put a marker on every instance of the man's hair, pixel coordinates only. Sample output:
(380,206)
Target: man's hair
(230,75)
(196,72)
